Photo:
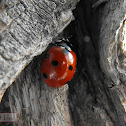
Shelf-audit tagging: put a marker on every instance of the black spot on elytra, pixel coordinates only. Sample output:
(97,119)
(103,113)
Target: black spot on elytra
(70,68)
(55,63)
(45,75)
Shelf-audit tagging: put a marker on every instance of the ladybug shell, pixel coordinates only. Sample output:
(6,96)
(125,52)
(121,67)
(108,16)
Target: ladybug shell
(58,66)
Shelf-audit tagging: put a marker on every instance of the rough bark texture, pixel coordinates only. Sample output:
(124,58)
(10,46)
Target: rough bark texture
(96,95)
(35,102)
(26,28)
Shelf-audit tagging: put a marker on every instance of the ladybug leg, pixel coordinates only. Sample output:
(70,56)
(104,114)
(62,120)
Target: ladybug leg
(58,39)
(62,39)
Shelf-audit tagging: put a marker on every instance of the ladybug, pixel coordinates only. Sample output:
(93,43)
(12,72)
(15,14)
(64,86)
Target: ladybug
(58,65)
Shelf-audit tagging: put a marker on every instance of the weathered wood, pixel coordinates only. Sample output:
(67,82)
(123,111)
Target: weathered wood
(96,94)
(112,42)
(26,28)
(36,103)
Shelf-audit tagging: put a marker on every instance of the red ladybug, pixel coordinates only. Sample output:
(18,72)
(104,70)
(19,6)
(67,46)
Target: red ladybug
(58,65)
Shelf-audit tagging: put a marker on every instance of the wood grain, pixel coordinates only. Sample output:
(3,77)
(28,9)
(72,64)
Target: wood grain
(26,29)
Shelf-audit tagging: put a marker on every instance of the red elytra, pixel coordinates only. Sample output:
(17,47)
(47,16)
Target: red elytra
(58,66)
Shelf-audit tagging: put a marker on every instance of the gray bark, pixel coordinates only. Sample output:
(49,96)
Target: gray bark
(96,95)
(26,28)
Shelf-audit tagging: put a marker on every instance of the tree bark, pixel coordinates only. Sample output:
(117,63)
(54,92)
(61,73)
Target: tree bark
(96,94)
(26,29)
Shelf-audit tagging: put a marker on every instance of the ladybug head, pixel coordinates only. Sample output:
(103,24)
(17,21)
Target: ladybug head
(64,43)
